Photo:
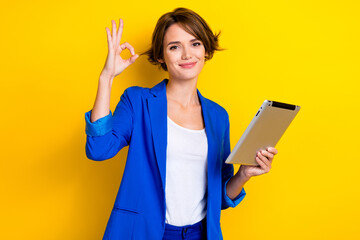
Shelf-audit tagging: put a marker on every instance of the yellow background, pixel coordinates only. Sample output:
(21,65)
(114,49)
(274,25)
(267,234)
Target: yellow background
(299,52)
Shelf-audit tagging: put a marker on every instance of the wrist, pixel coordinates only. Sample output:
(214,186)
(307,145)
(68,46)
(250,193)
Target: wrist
(241,176)
(104,77)
(106,80)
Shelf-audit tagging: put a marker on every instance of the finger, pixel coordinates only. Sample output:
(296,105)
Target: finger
(272,150)
(128,46)
(119,32)
(264,159)
(109,38)
(262,164)
(267,154)
(133,58)
(113,23)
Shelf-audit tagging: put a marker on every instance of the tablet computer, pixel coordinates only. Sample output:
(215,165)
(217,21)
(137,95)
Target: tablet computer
(265,130)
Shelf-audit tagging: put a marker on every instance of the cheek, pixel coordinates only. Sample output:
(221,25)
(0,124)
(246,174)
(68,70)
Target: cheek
(202,55)
(170,58)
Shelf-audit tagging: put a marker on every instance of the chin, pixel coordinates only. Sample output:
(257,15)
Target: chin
(187,77)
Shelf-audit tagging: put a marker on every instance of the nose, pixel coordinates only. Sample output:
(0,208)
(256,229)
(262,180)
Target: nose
(186,53)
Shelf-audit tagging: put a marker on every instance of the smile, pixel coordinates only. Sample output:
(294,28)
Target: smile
(188,65)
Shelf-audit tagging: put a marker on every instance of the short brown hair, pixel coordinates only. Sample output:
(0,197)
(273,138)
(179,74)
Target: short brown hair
(192,23)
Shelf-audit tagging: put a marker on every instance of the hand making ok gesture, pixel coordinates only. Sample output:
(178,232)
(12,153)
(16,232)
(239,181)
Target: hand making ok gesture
(114,64)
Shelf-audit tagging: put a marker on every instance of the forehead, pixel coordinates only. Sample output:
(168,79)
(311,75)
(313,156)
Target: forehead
(177,33)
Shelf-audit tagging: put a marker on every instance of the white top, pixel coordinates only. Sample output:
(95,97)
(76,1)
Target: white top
(186,175)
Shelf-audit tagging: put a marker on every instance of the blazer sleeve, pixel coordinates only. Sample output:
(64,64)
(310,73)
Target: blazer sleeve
(228,172)
(108,135)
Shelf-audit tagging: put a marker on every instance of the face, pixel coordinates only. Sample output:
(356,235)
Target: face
(184,55)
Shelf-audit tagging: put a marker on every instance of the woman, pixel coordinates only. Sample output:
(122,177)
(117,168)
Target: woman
(175,181)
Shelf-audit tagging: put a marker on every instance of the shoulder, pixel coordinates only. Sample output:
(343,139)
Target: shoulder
(135,93)
(141,92)
(135,90)
(132,98)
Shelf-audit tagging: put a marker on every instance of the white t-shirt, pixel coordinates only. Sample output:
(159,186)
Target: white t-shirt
(186,175)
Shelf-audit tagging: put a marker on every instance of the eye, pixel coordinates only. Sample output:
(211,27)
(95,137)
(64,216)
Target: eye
(173,47)
(196,43)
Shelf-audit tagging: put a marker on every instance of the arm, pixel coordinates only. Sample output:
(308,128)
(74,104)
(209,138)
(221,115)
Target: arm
(114,65)
(229,199)
(235,185)
(107,134)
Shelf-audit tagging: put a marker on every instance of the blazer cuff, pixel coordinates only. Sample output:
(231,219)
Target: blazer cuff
(237,200)
(100,127)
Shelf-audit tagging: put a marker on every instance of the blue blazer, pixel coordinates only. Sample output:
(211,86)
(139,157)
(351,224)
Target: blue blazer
(140,121)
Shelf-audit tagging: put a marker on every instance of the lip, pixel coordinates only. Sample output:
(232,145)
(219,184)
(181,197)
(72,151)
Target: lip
(187,65)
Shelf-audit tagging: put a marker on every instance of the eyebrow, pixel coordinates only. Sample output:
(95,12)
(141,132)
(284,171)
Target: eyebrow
(177,42)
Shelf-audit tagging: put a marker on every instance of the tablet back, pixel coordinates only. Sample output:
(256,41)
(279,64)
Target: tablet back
(265,130)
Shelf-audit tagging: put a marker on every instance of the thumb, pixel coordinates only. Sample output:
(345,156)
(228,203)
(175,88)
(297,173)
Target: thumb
(133,58)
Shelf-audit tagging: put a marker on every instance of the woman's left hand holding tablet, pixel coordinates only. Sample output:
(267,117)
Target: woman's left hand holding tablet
(264,158)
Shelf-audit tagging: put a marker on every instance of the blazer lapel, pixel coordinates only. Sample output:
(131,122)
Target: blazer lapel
(210,130)
(157,106)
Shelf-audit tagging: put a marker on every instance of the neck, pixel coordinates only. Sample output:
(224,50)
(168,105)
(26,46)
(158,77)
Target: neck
(183,92)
